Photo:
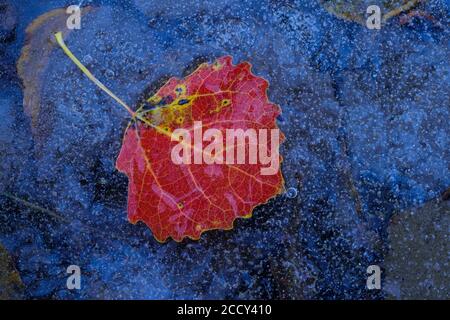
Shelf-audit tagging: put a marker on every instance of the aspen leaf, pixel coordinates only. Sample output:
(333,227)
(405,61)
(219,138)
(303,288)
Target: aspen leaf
(201,152)
(184,200)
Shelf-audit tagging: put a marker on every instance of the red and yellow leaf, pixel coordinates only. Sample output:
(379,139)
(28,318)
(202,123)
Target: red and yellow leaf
(184,200)
(181,199)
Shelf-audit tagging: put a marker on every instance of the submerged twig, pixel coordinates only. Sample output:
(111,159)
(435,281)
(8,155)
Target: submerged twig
(34,206)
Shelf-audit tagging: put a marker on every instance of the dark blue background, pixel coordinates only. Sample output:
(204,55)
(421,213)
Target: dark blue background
(365,114)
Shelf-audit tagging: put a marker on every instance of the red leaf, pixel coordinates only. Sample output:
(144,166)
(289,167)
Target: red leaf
(184,200)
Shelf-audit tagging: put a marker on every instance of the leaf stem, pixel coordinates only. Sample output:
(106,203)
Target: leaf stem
(72,57)
(134,115)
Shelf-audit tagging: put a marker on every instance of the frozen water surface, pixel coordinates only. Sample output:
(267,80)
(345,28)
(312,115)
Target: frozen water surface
(365,114)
